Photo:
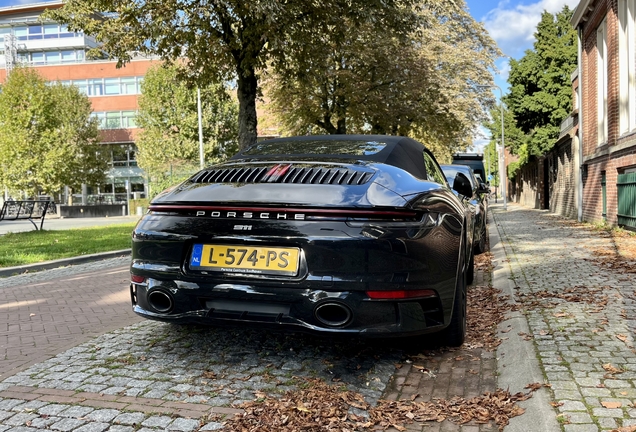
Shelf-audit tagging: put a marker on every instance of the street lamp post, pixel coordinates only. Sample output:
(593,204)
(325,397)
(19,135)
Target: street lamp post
(501,151)
(201,153)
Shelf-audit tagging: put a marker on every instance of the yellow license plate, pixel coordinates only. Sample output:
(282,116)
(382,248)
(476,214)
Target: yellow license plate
(245,259)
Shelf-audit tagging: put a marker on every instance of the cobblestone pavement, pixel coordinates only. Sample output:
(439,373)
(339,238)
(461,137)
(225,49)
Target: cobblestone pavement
(580,313)
(152,376)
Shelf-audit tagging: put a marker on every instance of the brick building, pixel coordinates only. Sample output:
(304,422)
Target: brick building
(607,63)
(550,181)
(60,55)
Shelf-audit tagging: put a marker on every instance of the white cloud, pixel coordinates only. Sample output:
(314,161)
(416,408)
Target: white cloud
(503,68)
(513,26)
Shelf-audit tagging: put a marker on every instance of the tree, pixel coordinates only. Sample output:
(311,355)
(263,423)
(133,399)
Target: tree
(169,121)
(540,85)
(366,79)
(219,40)
(48,138)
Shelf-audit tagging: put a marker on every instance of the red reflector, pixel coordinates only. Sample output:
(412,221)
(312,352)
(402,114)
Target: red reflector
(137,279)
(400,294)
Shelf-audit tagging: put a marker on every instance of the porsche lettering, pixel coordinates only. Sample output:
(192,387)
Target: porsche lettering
(250,215)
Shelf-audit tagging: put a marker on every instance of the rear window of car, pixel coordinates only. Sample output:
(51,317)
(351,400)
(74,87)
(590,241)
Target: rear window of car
(351,148)
(476,165)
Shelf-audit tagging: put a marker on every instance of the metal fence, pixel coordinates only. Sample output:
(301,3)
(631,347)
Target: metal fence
(626,189)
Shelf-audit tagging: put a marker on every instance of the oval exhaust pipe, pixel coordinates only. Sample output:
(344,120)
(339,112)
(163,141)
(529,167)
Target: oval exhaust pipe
(160,301)
(333,314)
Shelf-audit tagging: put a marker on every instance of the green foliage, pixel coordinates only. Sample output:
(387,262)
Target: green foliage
(175,177)
(524,156)
(48,138)
(491,163)
(168,115)
(540,95)
(359,79)
(223,40)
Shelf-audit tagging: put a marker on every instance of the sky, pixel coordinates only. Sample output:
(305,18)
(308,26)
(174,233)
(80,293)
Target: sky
(511,23)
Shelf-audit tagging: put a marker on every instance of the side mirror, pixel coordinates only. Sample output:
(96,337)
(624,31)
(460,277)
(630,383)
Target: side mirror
(462,185)
(483,188)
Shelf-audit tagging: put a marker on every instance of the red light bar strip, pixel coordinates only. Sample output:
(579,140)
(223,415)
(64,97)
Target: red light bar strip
(137,279)
(400,294)
(336,212)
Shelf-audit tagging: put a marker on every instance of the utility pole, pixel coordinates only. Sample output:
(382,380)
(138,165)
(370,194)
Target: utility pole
(501,151)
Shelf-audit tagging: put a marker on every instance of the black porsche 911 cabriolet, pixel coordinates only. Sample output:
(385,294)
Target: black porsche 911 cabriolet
(341,234)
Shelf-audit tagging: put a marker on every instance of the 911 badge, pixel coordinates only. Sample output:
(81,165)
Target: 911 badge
(242,227)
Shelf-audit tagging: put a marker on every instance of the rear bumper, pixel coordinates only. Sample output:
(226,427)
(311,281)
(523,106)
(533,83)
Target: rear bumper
(287,309)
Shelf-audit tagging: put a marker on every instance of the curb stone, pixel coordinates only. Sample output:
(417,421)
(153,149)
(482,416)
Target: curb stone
(47,265)
(517,359)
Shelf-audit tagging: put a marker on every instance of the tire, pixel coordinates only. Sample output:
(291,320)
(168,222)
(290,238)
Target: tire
(470,271)
(455,333)
(480,246)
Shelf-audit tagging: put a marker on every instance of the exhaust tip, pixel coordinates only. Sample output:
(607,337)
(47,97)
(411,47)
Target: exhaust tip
(160,301)
(333,314)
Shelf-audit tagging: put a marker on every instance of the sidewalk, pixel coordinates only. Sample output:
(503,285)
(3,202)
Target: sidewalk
(580,307)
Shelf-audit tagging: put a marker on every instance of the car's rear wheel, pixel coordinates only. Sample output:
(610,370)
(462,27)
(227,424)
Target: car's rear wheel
(455,333)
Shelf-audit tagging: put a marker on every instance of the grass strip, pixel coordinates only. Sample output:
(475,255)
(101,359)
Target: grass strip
(37,246)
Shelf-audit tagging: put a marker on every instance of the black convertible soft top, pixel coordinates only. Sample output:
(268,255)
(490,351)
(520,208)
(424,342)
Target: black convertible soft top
(401,152)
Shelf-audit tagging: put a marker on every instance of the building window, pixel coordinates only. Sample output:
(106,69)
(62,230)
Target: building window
(601,83)
(116,119)
(37,58)
(3,32)
(108,86)
(20,33)
(95,87)
(51,31)
(52,57)
(111,86)
(627,65)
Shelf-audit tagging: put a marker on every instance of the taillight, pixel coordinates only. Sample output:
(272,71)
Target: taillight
(400,294)
(137,279)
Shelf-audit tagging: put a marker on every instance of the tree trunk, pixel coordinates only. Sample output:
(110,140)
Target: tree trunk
(246,92)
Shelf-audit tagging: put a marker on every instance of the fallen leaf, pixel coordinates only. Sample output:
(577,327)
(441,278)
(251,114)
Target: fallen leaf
(302,407)
(611,404)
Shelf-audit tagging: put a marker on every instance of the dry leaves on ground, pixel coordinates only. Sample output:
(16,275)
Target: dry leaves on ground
(621,256)
(483,262)
(625,429)
(486,309)
(323,407)
(577,294)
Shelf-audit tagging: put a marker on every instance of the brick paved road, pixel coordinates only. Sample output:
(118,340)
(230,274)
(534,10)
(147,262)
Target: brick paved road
(46,313)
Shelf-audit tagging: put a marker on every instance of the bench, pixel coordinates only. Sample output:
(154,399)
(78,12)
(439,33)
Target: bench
(25,210)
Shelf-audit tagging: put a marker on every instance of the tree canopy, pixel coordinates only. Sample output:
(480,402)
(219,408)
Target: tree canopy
(540,95)
(222,40)
(169,120)
(48,138)
(364,78)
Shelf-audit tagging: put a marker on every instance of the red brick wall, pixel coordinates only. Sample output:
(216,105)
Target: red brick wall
(101,103)
(619,152)
(592,196)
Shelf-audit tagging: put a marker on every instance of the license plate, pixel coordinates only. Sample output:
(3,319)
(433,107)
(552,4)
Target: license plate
(245,259)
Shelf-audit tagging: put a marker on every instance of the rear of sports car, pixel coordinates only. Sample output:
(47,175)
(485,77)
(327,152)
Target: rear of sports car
(325,247)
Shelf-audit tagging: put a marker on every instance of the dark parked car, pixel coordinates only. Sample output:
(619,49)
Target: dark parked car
(337,234)
(473,160)
(476,200)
